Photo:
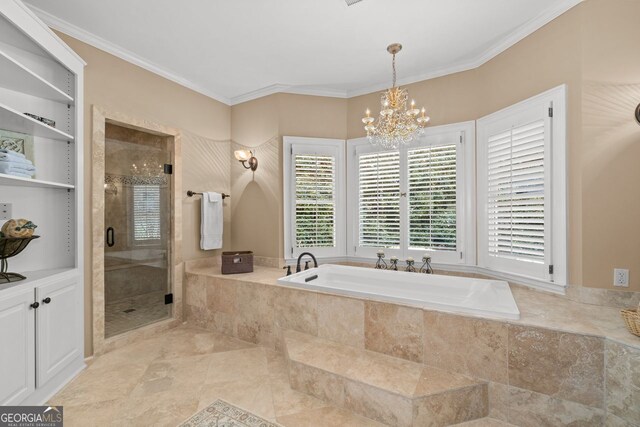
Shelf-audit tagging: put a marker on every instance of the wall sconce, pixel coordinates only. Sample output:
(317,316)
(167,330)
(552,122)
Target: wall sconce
(638,114)
(244,156)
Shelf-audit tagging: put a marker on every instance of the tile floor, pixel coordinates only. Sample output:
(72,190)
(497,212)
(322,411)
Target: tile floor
(163,380)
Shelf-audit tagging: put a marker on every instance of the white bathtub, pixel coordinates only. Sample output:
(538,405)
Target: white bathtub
(487,298)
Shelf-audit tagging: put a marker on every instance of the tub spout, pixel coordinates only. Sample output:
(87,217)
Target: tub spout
(315,262)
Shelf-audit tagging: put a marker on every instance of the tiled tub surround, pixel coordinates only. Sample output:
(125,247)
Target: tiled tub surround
(562,363)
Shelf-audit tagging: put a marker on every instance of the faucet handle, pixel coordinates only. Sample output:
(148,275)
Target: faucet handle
(288,268)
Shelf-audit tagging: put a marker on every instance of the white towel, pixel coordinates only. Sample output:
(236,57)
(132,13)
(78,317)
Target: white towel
(211,221)
(12,156)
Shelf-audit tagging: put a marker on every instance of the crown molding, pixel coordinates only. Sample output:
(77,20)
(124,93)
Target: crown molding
(503,44)
(120,52)
(295,90)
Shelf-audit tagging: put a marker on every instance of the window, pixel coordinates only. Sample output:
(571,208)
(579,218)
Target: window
(314,205)
(433,197)
(521,188)
(146,214)
(413,200)
(379,200)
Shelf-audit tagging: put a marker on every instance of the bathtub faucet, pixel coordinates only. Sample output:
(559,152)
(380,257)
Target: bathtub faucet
(315,262)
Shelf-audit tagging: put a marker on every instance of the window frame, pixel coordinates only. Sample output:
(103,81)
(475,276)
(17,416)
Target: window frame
(321,146)
(555,187)
(463,135)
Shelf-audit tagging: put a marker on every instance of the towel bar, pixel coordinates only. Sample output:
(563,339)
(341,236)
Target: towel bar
(193,193)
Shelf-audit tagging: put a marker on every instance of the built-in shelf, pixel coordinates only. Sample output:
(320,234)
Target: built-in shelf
(29,182)
(32,277)
(18,77)
(15,121)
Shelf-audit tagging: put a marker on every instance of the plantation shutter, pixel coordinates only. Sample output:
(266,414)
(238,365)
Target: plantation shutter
(432,175)
(379,200)
(516,193)
(315,209)
(146,213)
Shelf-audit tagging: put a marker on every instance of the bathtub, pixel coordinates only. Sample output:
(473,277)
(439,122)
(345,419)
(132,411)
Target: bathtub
(486,298)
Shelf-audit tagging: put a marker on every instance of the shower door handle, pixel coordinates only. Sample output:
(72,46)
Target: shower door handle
(111,237)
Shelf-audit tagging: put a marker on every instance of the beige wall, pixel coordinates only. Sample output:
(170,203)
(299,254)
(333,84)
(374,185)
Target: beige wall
(120,86)
(257,213)
(610,148)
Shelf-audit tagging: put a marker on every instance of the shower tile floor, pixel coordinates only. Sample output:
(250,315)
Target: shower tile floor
(131,313)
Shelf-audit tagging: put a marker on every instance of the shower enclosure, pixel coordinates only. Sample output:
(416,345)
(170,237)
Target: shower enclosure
(137,213)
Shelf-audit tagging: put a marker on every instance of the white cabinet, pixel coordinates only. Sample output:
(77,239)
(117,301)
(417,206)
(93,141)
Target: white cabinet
(57,326)
(41,346)
(17,347)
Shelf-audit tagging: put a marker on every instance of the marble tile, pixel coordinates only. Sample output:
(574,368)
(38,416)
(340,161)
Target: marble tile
(531,409)
(623,382)
(315,382)
(498,401)
(254,321)
(485,422)
(467,345)
(326,417)
(382,406)
(165,409)
(221,295)
(394,330)
(613,421)
(176,375)
(384,372)
(341,320)
(196,291)
(233,365)
(434,381)
(562,365)
(297,310)
(105,413)
(452,407)
(287,400)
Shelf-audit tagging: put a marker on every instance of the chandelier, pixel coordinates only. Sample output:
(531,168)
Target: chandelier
(397,124)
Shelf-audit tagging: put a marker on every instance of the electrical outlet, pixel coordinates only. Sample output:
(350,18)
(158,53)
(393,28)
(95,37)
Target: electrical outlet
(5,211)
(621,277)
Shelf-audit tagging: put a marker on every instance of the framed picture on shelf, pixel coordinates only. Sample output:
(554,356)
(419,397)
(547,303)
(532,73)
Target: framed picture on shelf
(18,142)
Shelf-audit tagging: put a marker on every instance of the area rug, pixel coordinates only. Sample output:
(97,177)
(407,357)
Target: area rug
(223,414)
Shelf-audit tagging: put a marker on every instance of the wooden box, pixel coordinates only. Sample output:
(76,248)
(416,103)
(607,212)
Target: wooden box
(237,262)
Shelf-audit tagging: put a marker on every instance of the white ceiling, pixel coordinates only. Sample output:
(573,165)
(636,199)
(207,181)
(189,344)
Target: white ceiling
(236,50)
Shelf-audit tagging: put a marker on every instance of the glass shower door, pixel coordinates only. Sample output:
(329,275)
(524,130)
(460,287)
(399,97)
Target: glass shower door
(137,229)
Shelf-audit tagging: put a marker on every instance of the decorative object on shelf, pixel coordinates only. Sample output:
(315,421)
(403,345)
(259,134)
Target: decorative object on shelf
(380,264)
(18,228)
(631,318)
(410,268)
(246,156)
(237,262)
(9,247)
(426,266)
(17,142)
(44,120)
(393,263)
(397,124)
(637,114)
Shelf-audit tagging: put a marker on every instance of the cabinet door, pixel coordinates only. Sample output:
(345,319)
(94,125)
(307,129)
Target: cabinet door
(58,327)
(17,346)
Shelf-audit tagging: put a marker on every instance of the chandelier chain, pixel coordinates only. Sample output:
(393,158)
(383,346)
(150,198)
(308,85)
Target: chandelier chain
(393,64)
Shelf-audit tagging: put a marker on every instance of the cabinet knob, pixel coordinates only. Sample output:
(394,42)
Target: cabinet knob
(35,305)
(47,300)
